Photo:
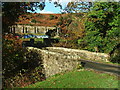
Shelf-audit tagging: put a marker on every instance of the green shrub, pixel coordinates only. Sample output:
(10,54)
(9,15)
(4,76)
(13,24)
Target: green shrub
(33,21)
(61,18)
(28,24)
(40,15)
(115,54)
(75,24)
(38,21)
(51,17)
(59,23)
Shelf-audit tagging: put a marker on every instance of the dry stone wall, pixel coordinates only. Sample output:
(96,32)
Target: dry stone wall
(57,59)
(54,62)
(82,54)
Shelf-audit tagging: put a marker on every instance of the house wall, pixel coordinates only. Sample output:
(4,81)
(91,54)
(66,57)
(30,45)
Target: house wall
(30,29)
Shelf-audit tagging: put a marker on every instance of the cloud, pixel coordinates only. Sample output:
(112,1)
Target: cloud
(43,11)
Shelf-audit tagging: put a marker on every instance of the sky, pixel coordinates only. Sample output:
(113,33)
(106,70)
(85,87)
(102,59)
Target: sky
(50,8)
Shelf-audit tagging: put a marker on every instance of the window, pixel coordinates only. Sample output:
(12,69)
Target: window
(26,30)
(23,30)
(13,29)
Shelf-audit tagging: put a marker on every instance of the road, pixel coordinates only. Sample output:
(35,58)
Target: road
(101,67)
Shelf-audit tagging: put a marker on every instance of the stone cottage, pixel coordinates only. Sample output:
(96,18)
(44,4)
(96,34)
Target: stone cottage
(31,29)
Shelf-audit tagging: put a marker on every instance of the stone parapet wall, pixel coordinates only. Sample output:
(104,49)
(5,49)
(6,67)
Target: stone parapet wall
(82,54)
(54,62)
(57,59)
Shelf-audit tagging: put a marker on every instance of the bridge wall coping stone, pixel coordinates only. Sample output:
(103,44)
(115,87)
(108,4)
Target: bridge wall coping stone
(84,54)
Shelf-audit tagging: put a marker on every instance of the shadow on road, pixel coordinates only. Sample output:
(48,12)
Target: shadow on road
(101,67)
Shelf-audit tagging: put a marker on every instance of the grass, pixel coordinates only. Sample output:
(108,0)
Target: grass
(28,39)
(111,63)
(25,39)
(78,79)
(39,39)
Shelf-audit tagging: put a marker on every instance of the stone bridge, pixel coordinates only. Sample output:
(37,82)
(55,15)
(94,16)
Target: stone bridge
(58,59)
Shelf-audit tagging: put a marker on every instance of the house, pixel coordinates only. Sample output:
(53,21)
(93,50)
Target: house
(22,29)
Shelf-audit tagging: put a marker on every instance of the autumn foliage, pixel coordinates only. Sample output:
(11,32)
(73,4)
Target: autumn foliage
(17,70)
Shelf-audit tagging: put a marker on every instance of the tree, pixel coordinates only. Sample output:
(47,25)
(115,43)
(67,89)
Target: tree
(77,7)
(12,10)
(102,31)
(33,21)
(13,52)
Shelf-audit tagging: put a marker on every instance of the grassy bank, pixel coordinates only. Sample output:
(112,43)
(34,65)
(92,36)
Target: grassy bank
(78,79)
